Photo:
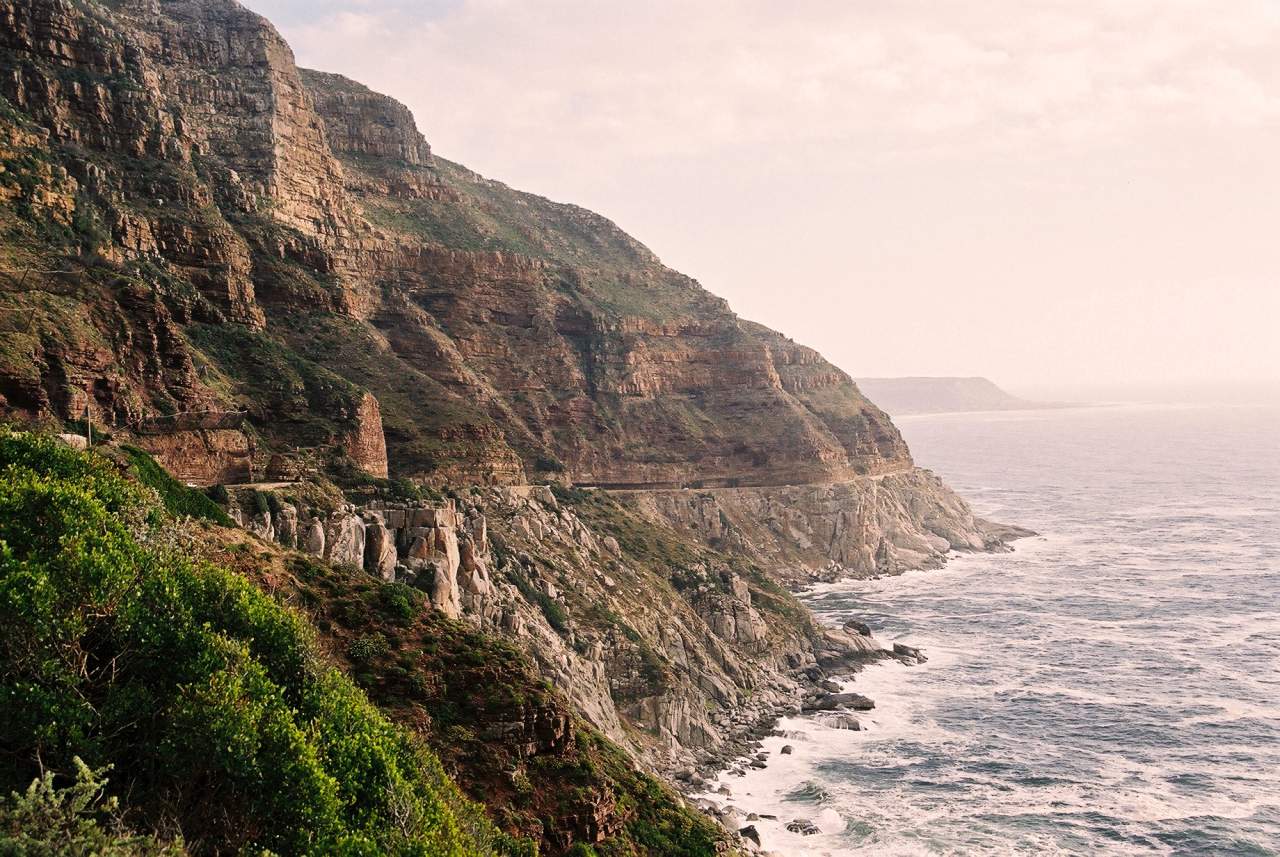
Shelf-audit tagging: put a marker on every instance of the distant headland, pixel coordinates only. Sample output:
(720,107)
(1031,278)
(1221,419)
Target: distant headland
(918,395)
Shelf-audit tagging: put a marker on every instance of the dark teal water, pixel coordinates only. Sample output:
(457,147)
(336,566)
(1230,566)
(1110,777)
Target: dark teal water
(1112,687)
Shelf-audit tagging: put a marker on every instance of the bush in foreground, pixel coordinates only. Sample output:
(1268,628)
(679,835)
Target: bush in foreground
(206,696)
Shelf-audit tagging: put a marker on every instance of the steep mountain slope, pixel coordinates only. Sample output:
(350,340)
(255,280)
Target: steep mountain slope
(271,230)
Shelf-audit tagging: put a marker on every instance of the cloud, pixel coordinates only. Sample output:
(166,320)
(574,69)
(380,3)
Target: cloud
(668,77)
(971,169)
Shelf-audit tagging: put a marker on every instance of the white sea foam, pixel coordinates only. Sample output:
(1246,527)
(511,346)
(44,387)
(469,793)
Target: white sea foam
(1112,687)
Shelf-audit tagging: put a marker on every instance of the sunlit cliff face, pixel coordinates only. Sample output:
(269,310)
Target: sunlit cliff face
(1035,191)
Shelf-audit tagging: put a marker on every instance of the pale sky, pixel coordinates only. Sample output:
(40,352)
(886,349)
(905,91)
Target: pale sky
(1050,193)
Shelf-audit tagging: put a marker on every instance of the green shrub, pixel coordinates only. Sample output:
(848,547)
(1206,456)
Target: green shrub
(178,499)
(365,649)
(548,464)
(206,695)
(400,602)
(553,611)
(77,819)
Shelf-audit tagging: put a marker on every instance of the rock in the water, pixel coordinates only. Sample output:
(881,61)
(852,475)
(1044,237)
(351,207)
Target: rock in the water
(803,826)
(842,721)
(786,750)
(750,832)
(836,701)
(905,652)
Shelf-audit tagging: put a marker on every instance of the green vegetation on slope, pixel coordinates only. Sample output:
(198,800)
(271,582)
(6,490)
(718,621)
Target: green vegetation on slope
(206,696)
(48,820)
(288,395)
(179,500)
(502,732)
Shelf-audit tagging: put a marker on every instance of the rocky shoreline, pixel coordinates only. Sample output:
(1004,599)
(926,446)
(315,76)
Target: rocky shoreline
(829,698)
(831,702)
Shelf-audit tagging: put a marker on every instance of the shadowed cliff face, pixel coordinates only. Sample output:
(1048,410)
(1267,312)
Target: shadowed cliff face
(291,244)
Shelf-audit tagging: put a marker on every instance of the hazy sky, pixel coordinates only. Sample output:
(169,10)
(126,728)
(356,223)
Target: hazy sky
(1041,191)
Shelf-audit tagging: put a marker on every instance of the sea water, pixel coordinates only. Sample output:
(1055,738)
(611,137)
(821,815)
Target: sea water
(1111,687)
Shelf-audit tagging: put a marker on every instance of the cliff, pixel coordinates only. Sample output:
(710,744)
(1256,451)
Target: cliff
(290,243)
(266,278)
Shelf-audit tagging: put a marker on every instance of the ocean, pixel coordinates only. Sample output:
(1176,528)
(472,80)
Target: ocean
(1111,687)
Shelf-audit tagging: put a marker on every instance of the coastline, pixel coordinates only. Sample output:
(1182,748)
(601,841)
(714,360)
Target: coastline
(735,790)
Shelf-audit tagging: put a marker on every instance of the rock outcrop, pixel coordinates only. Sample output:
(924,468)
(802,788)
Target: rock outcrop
(366,444)
(681,662)
(858,528)
(203,456)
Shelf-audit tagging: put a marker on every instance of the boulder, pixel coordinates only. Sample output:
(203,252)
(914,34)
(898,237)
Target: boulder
(312,538)
(786,750)
(75,441)
(905,653)
(469,555)
(420,548)
(478,527)
(344,540)
(261,526)
(544,495)
(837,701)
(750,833)
(287,525)
(803,826)
(856,626)
(443,588)
(380,555)
(842,721)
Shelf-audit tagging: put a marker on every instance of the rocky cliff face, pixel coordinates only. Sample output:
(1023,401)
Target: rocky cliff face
(824,532)
(502,334)
(669,647)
